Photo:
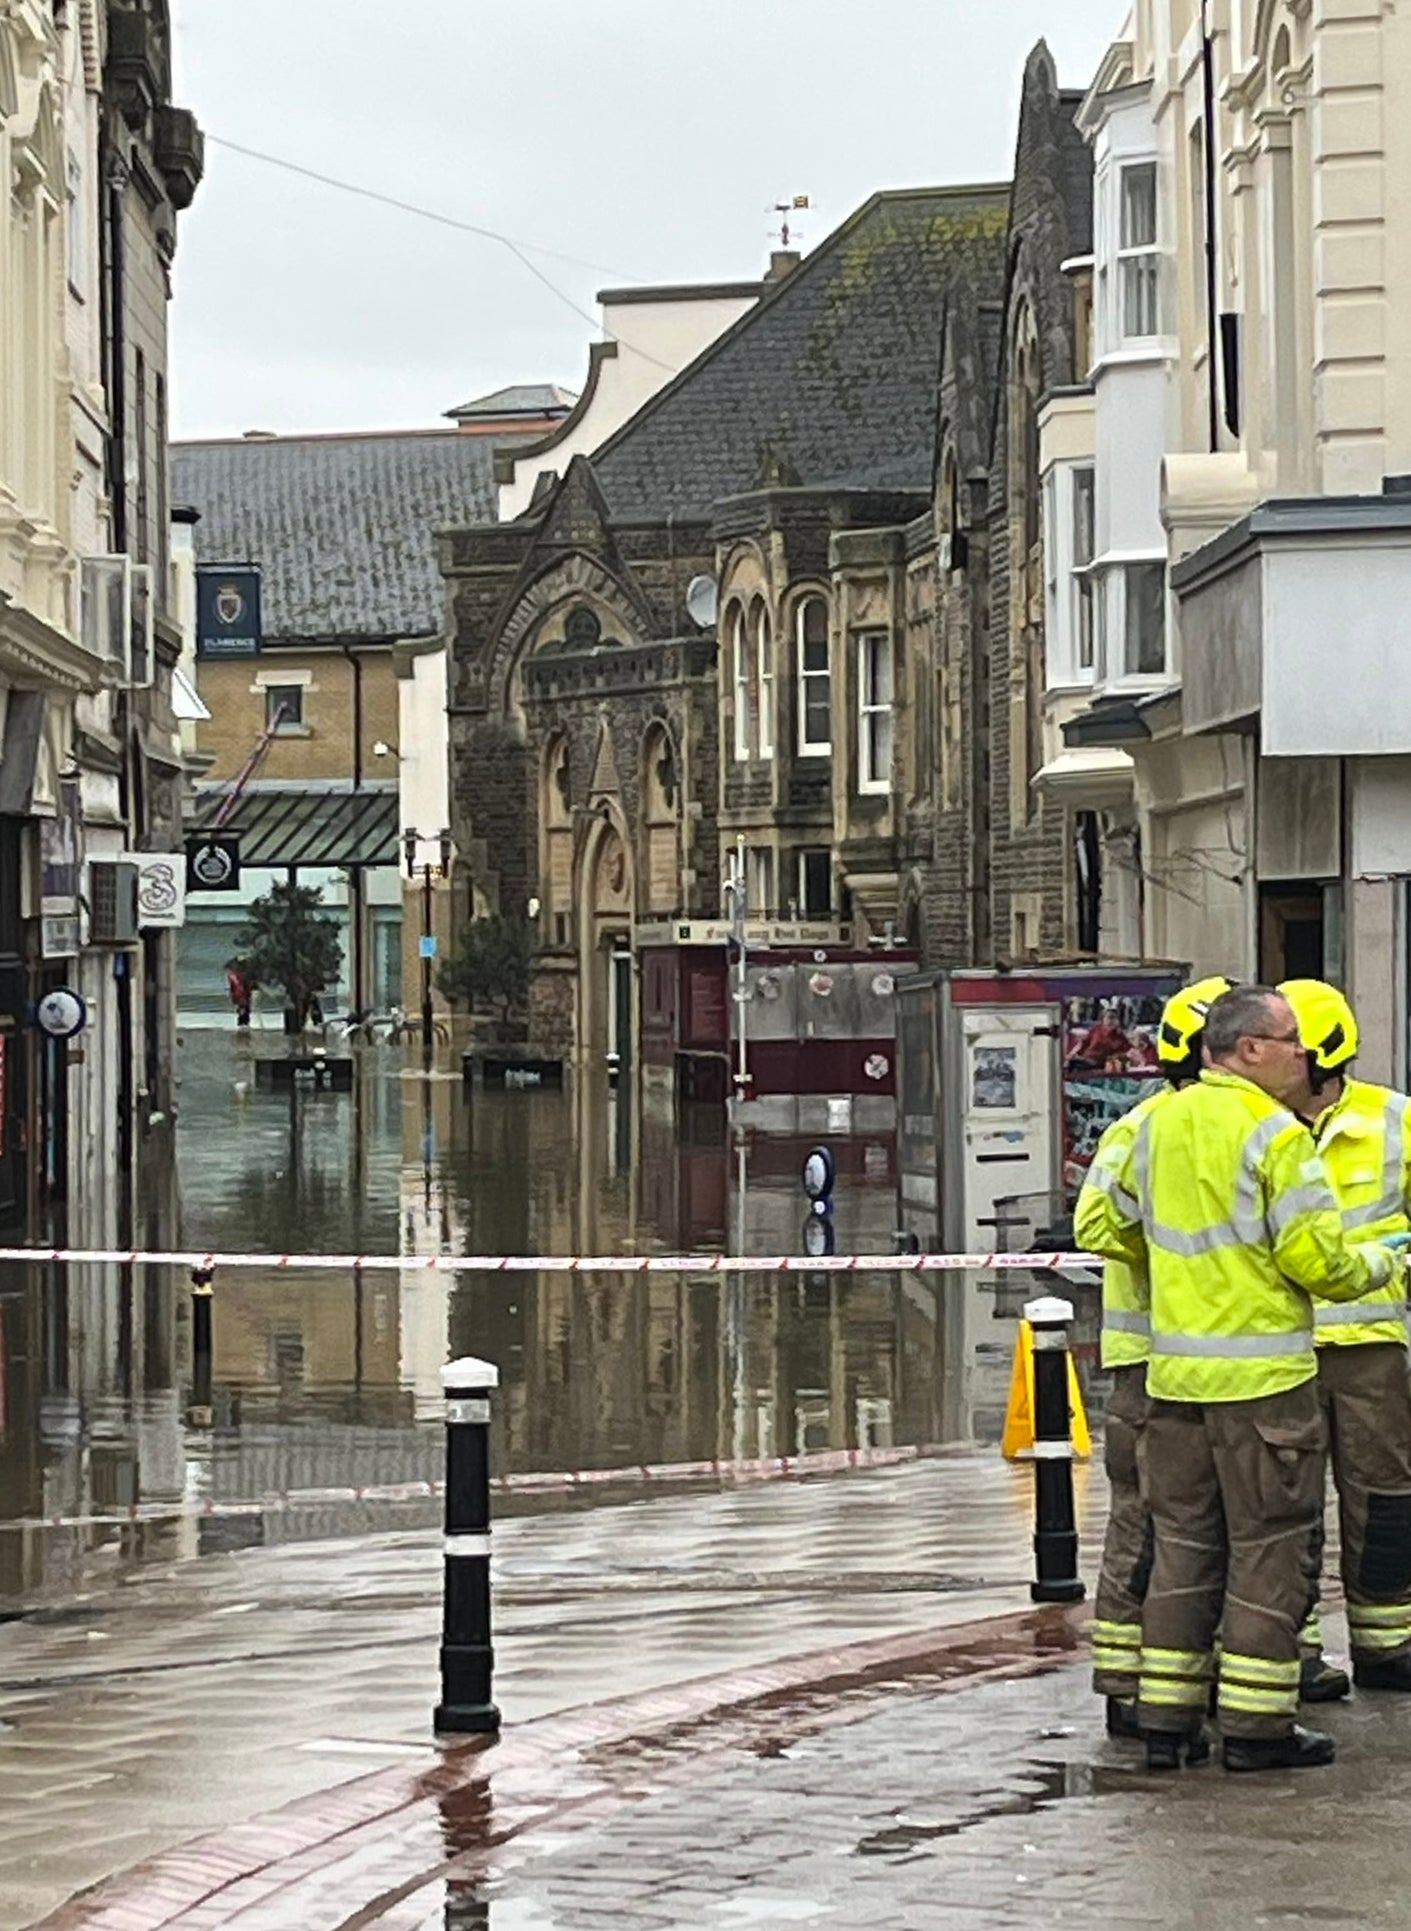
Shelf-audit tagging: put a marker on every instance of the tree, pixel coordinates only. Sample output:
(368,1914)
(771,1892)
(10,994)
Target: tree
(292,943)
(490,964)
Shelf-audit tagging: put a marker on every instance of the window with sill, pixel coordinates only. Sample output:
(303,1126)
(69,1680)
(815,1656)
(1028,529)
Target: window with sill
(874,689)
(1138,258)
(815,697)
(284,708)
(759,881)
(815,883)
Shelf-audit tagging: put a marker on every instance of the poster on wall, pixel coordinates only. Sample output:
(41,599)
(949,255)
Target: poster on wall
(1110,1064)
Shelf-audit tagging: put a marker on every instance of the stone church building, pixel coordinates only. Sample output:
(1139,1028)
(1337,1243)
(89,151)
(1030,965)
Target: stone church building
(854,464)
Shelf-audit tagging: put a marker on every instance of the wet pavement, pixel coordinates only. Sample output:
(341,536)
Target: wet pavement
(204,1694)
(332,1384)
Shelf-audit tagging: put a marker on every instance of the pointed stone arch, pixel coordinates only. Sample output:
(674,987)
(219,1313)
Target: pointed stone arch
(556,838)
(566,583)
(661,815)
(605,911)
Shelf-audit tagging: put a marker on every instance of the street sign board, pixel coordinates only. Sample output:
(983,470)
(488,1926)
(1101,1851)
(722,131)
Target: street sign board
(161,888)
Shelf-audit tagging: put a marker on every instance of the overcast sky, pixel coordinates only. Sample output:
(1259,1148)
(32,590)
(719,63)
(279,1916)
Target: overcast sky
(646,137)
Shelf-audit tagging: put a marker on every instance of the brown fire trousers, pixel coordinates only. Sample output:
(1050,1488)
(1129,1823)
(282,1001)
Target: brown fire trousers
(1365,1391)
(1127,1551)
(1236,1491)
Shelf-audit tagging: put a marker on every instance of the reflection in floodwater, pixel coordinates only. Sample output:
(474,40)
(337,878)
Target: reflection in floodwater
(332,1381)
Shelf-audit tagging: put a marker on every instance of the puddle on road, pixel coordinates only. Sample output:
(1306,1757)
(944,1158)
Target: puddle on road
(909,1836)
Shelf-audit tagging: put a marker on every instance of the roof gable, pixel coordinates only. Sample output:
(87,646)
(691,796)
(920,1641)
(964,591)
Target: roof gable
(832,378)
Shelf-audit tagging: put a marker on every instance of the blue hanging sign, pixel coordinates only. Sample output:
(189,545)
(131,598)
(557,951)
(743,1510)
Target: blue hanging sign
(228,612)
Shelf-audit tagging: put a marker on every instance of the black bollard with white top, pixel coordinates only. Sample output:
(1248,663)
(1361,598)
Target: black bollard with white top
(1056,1577)
(201,1412)
(467,1656)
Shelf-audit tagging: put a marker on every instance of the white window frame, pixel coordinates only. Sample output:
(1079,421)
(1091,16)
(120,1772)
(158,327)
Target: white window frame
(740,668)
(1085,595)
(870,781)
(1138,262)
(764,677)
(1069,581)
(1129,673)
(813,747)
(76,230)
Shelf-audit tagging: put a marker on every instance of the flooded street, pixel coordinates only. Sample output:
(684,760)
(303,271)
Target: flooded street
(322,1381)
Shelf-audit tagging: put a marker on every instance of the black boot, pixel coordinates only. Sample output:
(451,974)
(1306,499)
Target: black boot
(1320,1681)
(1170,1749)
(1393,1673)
(1122,1717)
(1300,1750)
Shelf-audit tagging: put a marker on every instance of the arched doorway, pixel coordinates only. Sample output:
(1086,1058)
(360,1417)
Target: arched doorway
(606,997)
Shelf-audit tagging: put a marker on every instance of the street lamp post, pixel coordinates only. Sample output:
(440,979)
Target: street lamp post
(411,841)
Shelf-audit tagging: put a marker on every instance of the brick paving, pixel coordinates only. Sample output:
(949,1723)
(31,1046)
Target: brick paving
(950,1771)
(145,1716)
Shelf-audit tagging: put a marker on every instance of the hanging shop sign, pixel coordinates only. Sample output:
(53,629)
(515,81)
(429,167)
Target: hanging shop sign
(213,862)
(161,888)
(62,1013)
(228,612)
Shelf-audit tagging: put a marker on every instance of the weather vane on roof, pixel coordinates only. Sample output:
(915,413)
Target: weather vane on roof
(787,234)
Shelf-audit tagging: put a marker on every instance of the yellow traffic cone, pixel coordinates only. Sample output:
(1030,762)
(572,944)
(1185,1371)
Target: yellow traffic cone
(1018,1438)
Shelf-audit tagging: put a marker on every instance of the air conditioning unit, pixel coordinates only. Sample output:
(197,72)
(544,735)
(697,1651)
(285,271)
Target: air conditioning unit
(117,607)
(955,551)
(112,901)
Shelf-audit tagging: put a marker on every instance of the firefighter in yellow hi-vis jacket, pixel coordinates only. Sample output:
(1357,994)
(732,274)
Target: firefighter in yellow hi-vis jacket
(1364,1135)
(1224,1198)
(1126,1348)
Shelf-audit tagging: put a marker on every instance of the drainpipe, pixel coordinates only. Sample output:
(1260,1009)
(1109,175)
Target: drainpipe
(1212,284)
(115,180)
(355,872)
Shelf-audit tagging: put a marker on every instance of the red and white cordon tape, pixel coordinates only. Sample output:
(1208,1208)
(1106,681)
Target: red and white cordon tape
(775,1468)
(561,1263)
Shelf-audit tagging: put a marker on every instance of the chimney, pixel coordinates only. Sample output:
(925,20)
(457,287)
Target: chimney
(782,264)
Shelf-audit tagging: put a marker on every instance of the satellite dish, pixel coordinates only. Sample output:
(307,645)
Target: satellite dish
(703,601)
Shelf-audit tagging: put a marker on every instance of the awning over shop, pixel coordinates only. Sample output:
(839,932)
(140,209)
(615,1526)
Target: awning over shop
(313,825)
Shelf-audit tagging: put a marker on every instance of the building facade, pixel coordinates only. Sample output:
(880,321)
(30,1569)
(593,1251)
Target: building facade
(1254,215)
(706,652)
(98,163)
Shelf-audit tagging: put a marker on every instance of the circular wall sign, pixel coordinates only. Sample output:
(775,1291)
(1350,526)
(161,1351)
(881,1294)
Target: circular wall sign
(820,1172)
(62,1013)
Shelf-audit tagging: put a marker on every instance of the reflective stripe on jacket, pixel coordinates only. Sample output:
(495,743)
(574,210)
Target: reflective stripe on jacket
(1365,1141)
(1225,1189)
(1126,1293)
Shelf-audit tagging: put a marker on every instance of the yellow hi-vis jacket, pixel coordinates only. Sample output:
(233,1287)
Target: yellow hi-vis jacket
(1224,1193)
(1126,1291)
(1365,1141)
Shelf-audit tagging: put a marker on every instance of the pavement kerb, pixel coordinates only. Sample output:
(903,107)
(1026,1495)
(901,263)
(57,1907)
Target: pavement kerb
(387,1829)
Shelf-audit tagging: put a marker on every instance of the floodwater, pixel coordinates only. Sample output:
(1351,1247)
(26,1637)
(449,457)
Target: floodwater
(331,1381)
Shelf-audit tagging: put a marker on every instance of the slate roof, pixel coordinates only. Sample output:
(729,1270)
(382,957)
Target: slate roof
(314,825)
(342,527)
(521,399)
(833,378)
